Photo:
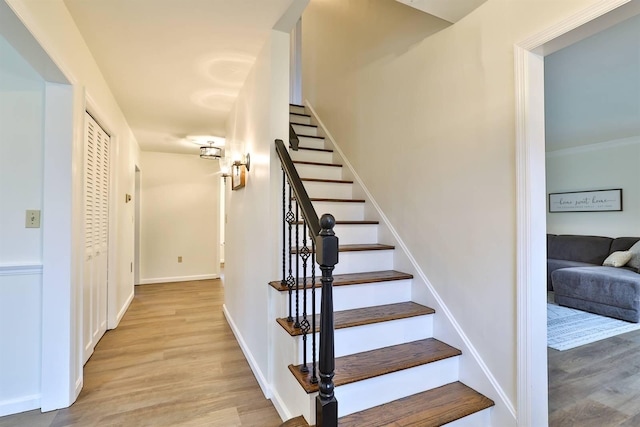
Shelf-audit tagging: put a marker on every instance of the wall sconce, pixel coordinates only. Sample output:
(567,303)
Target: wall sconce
(246,162)
(225,168)
(210,152)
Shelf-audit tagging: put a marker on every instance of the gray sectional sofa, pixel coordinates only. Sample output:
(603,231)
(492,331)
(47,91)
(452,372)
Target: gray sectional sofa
(579,280)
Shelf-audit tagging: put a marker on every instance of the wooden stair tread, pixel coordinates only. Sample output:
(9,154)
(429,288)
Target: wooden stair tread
(295,105)
(349,222)
(357,248)
(431,408)
(327,199)
(381,361)
(302,124)
(298,114)
(351,279)
(301,162)
(334,181)
(324,150)
(365,316)
(310,136)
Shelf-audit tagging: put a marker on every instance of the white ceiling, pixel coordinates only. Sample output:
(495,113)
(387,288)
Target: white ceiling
(175,66)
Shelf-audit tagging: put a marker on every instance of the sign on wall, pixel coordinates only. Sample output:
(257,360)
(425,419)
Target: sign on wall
(586,201)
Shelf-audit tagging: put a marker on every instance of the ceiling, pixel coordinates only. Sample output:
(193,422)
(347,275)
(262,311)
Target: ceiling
(175,66)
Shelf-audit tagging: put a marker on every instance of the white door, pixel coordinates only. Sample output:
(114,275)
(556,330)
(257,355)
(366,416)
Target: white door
(96,231)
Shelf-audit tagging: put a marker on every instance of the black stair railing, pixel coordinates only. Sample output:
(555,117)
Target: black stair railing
(324,244)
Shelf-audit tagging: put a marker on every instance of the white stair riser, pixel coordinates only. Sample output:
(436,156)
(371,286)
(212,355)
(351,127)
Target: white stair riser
(356,233)
(305,130)
(297,109)
(334,190)
(311,156)
(295,118)
(311,142)
(341,211)
(357,262)
(351,296)
(319,172)
(358,396)
(370,337)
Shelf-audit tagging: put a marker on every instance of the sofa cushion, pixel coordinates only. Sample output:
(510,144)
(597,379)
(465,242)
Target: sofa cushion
(589,249)
(617,259)
(634,262)
(605,285)
(623,243)
(554,264)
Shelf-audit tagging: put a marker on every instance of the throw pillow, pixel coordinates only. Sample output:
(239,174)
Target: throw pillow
(617,259)
(634,262)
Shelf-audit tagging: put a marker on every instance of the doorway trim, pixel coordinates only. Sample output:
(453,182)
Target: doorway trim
(532,388)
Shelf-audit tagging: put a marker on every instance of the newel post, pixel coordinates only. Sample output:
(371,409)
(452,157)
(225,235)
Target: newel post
(327,257)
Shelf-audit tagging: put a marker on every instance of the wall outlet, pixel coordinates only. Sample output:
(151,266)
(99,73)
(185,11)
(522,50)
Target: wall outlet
(179,259)
(32,219)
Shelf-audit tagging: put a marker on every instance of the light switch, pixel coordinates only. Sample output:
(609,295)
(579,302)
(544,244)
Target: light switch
(33,219)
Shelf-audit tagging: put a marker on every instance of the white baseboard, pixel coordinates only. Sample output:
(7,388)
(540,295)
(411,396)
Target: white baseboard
(124,308)
(178,279)
(22,404)
(262,381)
(280,406)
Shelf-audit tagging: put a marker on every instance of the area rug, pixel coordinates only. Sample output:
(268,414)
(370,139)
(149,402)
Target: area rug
(569,328)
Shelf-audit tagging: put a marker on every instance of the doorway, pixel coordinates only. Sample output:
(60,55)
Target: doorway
(531,195)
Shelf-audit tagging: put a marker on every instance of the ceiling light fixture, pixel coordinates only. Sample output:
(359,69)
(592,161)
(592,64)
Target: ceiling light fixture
(210,152)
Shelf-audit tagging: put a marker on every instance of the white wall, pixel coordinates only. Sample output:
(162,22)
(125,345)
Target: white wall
(592,118)
(597,167)
(259,116)
(428,123)
(592,88)
(179,217)
(55,33)
(22,92)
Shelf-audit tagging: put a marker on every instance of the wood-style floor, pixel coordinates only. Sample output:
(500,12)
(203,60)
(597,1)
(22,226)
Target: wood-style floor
(172,361)
(596,385)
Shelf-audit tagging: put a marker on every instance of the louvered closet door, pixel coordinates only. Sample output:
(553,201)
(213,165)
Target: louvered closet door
(96,230)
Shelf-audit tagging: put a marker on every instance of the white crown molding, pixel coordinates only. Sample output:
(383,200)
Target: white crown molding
(606,145)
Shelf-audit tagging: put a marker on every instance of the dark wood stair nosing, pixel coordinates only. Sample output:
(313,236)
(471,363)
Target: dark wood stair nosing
(331,181)
(296,105)
(328,200)
(302,124)
(310,136)
(381,361)
(356,248)
(323,150)
(355,222)
(299,114)
(303,162)
(365,316)
(350,279)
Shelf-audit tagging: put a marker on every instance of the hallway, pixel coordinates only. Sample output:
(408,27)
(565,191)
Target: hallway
(172,361)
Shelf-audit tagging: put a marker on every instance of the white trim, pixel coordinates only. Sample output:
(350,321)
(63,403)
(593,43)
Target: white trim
(22,404)
(262,381)
(444,309)
(20,269)
(124,308)
(178,279)
(531,216)
(606,145)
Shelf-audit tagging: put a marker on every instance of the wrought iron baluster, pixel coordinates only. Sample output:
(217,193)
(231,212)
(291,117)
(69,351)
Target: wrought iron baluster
(283,282)
(304,325)
(290,279)
(297,320)
(314,369)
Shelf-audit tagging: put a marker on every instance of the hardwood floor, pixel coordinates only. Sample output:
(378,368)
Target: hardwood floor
(172,361)
(597,384)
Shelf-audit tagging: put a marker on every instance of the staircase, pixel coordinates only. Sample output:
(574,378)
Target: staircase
(389,369)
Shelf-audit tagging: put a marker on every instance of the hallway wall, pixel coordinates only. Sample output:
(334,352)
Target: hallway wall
(179,217)
(22,92)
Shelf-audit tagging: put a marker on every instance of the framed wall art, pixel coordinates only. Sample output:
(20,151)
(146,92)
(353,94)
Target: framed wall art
(586,201)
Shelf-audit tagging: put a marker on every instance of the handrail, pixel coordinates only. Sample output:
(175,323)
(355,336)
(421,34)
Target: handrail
(302,198)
